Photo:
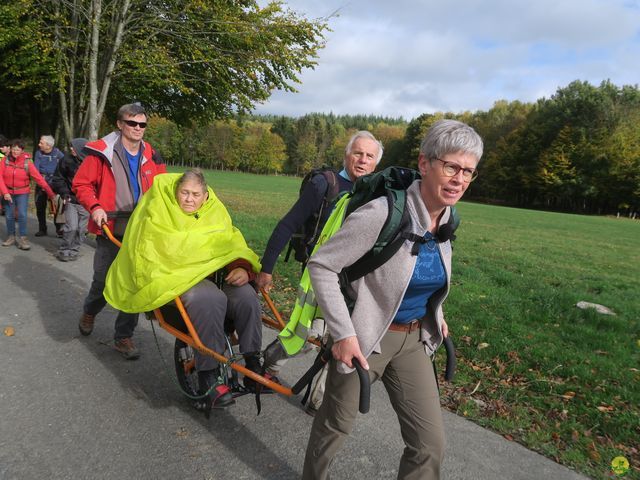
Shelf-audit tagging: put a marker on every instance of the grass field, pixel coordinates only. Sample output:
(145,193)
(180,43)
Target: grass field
(532,366)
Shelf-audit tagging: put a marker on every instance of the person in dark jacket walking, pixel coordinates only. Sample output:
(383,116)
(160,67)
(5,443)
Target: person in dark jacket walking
(76,216)
(362,154)
(46,160)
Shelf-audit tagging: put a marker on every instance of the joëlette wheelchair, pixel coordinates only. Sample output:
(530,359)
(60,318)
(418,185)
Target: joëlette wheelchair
(174,318)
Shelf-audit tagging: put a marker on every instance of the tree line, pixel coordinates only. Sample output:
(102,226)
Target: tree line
(576,151)
(201,67)
(68,65)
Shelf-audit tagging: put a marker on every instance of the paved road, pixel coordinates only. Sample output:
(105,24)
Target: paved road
(72,408)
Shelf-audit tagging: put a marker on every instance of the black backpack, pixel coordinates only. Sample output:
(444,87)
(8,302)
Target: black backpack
(392,183)
(302,240)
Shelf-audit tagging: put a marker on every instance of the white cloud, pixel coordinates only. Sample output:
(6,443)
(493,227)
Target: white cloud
(408,57)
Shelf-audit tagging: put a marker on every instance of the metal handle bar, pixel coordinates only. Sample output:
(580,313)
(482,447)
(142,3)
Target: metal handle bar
(450,369)
(364,401)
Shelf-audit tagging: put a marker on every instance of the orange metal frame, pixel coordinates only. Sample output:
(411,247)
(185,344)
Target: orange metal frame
(194,341)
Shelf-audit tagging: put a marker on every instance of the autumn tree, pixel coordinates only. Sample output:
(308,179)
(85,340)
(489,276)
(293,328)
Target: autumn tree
(185,59)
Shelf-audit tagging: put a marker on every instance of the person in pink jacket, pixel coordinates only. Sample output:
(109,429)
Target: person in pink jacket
(16,172)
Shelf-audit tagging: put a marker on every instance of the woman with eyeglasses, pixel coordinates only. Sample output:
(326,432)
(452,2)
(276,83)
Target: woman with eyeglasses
(397,321)
(16,172)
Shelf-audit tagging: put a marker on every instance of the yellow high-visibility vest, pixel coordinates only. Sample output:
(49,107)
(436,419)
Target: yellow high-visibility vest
(295,334)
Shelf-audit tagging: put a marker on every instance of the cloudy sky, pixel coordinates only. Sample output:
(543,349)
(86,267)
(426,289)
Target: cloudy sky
(408,57)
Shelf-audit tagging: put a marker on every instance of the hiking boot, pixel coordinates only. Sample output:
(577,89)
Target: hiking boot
(23,243)
(9,241)
(127,348)
(85,325)
(41,233)
(220,395)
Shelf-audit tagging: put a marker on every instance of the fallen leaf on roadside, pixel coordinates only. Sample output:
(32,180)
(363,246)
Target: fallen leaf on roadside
(593,453)
(9,331)
(466,339)
(605,408)
(482,345)
(508,437)
(568,395)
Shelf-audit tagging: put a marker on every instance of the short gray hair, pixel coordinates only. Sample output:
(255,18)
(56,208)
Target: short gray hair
(131,110)
(48,139)
(451,136)
(364,134)
(195,175)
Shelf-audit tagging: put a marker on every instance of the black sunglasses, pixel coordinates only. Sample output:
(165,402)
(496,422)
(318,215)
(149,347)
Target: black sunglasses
(131,123)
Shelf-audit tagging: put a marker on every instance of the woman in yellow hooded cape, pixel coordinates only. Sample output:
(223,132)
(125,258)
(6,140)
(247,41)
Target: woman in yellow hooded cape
(178,235)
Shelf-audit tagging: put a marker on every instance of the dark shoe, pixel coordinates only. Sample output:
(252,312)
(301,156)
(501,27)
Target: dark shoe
(220,395)
(85,325)
(127,348)
(59,233)
(41,233)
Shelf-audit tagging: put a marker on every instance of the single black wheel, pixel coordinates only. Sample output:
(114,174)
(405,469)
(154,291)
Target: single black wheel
(184,360)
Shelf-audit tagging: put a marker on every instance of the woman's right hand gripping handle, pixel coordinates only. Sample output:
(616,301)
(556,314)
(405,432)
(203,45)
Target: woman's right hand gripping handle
(348,351)
(355,361)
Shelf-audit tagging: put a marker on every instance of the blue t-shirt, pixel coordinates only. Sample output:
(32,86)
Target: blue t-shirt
(134,165)
(428,277)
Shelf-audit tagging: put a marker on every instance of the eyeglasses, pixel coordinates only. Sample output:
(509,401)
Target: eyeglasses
(451,169)
(132,123)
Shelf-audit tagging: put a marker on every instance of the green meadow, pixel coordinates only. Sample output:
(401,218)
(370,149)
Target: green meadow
(531,365)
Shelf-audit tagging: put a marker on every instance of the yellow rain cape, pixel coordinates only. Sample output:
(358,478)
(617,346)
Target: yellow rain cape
(166,251)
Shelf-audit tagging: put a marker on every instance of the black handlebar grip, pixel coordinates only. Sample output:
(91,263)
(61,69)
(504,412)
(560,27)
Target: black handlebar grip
(365,387)
(451,359)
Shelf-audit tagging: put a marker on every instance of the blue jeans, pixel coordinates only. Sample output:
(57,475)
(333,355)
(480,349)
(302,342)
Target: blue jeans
(20,202)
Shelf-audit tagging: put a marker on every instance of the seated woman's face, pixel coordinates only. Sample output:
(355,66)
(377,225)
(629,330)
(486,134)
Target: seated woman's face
(190,196)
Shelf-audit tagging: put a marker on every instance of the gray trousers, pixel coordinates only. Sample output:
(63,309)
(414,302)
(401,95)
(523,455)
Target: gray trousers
(105,254)
(407,374)
(207,307)
(74,229)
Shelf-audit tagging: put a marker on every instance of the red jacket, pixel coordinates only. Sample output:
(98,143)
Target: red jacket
(14,178)
(94,184)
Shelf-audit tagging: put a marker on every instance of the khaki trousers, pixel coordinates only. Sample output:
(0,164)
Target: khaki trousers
(407,374)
